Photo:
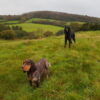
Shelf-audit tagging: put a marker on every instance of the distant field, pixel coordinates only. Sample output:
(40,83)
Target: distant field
(40,19)
(1,20)
(74,72)
(12,22)
(29,27)
(51,20)
(8,22)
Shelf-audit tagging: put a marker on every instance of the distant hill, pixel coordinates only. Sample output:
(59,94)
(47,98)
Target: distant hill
(60,16)
(52,15)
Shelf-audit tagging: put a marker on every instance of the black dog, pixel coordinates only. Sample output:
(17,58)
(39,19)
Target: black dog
(35,71)
(69,35)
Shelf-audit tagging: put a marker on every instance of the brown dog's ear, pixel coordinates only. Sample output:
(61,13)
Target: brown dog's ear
(33,66)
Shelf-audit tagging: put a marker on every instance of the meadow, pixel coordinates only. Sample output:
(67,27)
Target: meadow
(29,27)
(40,19)
(74,72)
(12,22)
(52,20)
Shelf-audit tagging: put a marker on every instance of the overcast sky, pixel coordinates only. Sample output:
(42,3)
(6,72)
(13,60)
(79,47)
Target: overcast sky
(83,7)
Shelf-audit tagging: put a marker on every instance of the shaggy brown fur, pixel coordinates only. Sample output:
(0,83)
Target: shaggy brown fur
(36,72)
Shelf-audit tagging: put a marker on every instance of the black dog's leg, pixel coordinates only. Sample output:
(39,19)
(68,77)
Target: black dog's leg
(65,41)
(70,42)
(74,38)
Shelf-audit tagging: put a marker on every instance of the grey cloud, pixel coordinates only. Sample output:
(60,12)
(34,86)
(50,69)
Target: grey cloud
(84,7)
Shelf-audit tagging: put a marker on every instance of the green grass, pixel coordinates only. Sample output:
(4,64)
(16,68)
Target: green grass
(40,19)
(74,74)
(29,27)
(12,22)
(51,20)
(1,20)
(9,22)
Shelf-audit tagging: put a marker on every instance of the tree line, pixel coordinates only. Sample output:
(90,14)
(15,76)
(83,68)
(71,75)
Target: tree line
(17,32)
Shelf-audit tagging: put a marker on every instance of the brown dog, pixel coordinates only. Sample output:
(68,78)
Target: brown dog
(36,72)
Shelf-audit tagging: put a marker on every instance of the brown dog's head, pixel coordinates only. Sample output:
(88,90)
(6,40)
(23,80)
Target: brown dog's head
(27,65)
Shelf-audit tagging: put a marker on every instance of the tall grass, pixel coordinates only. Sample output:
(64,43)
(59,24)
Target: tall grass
(74,72)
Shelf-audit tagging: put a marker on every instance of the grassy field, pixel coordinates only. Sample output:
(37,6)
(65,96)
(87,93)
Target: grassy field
(9,22)
(40,19)
(51,20)
(29,27)
(12,22)
(74,74)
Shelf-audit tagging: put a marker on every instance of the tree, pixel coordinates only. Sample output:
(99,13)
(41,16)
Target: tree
(76,26)
(17,28)
(48,33)
(8,34)
(21,33)
(4,27)
(60,32)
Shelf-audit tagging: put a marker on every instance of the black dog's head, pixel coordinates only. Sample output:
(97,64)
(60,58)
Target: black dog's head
(28,65)
(67,28)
